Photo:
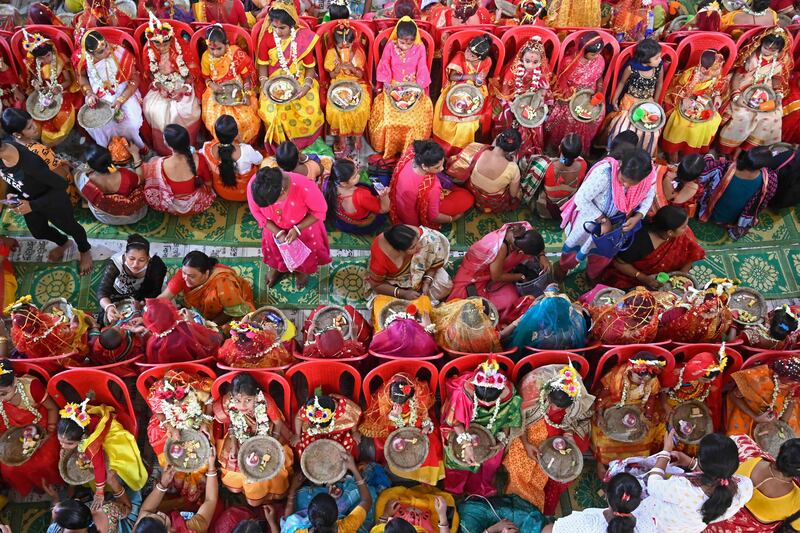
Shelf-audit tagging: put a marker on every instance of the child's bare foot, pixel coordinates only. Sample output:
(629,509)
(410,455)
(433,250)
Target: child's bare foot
(57,254)
(85,263)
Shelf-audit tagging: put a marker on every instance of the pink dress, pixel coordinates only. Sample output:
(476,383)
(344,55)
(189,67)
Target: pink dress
(560,122)
(474,269)
(303,198)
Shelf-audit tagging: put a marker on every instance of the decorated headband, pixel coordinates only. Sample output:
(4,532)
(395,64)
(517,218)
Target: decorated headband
(344,3)
(244,329)
(76,412)
(719,286)
(32,41)
(488,375)
(481,46)
(4,370)
(318,414)
(721,363)
(788,311)
(648,366)
(22,302)
(157,31)
(567,381)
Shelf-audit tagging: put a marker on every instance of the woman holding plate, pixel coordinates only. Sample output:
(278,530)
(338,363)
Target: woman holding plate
(762,71)
(694,98)
(225,64)
(50,73)
(286,64)
(109,77)
(170,75)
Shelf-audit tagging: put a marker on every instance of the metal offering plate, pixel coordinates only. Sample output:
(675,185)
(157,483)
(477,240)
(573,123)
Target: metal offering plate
(345,94)
(95,117)
(282,89)
(483,445)
(74,469)
(261,458)
(189,453)
(59,306)
(679,282)
(322,463)
(43,106)
(19,443)
(464,99)
(770,436)
(581,108)
(648,116)
(231,93)
(607,296)
(748,306)
(697,109)
(268,316)
(755,95)
(624,424)
(691,421)
(406,449)
(529,110)
(404,96)
(561,459)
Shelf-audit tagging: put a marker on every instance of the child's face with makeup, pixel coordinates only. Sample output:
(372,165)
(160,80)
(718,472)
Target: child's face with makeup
(531,61)
(470,56)
(405,43)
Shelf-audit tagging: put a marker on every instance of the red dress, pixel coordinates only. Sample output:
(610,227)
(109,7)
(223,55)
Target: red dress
(43,465)
(174,340)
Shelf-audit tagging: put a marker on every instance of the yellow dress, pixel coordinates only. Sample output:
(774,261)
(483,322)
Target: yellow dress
(299,120)
(421,498)
(57,128)
(354,121)
(120,448)
(452,130)
(683,134)
(234,65)
(574,14)
(770,510)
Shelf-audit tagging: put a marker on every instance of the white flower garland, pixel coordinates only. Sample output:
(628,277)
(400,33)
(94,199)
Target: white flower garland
(313,431)
(293,53)
(771,72)
(97,83)
(173,81)
(397,419)
(776,385)
(26,404)
(624,398)
(39,83)
(186,414)
(671,393)
(495,411)
(240,430)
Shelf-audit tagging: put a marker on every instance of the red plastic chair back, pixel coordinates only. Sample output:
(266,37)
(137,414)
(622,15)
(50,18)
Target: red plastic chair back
(610,50)
(182,31)
(668,55)
(583,351)
(692,47)
(390,23)
(742,31)
(684,353)
(21,367)
(123,369)
(53,364)
(468,363)
(73,385)
(62,41)
(205,361)
(458,41)
(514,38)
(364,36)
(236,35)
(9,57)
(536,360)
(766,357)
(121,37)
(453,354)
(276,386)
(331,376)
(149,376)
(422,370)
(385,357)
(383,37)
(621,354)
(309,21)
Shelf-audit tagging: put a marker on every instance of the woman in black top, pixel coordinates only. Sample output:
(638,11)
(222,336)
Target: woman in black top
(130,274)
(43,200)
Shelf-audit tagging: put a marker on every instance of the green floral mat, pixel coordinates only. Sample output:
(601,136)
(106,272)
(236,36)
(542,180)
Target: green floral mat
(230,224)
(770,269)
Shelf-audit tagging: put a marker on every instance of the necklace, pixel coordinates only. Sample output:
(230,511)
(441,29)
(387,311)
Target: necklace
(624,397)
(397,418)
(770,72)
(215,75)
(240,429)
(776,478)
(292,51)
(25,400)
(39,82)
(672,393)
(495,411)
(776,386)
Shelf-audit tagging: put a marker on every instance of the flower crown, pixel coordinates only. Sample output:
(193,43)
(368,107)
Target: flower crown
(4,370)
(22,302)
(722,361)
(719,286)
(489,375)
(158,31)
(788,310)
(650,366)
(244,329)
(344,3)
(567,381)
(318,414)
(32,41)
(76,412)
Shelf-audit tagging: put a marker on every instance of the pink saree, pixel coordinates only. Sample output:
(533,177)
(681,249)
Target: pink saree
(404,337)
(474,269)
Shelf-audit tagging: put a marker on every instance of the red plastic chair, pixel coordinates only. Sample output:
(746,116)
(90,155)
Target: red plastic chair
(610,50)
(390,23)
(365,37)
(458,41)
(182,31)
(9,57)
(205,361)
(73,386)
(255,31)
(739,31)
(273,384)
(62,41)
(123,369)
(622,354)
(53,364)
(585,350)
(468,363)
(383,37)
(684,353)
(310,22)
(692,47)
(664,344)
(453,354)
(236,35)
(331,376)
(22,366)
(514,38)
(422,370)
(385,357)
(121,37)
(668,55)
(146,378)
(440,35)
(536,360)
(766,357)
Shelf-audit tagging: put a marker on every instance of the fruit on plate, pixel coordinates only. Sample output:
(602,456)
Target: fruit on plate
(759,96)
(583,112)
(405,97)
(281,91)
(253,460)
(745,316)
(346,96)
(30,440)
(464,102)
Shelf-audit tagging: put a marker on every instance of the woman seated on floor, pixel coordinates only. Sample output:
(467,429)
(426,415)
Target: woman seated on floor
(491,172)
(178,184)
(500,514)
(494,265)
(549,183)
(215,290)
(408,262)
(780,332)
(232,163)
(115,196)
(665,244)
(353,207)
(133,273)
(553,322)
(417,195)
(736,193)
(289,159)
